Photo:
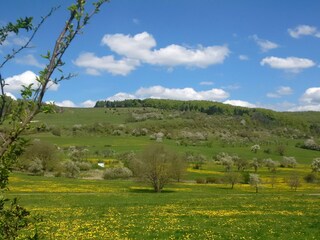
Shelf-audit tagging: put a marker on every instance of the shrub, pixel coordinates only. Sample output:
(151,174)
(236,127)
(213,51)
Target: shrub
(47,153)
(84,166)
(71,169)
(267,151)
(116,173)
(294,182)
(288,162)
(36,167)
(56,131)
(213,180)
(281,149)
(315,165)
(255,148)
(311,144)
(270,164)
(310,178)
(200,180)
(245,177)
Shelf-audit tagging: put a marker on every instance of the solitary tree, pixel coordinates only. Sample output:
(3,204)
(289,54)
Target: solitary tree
(255,148)
(226,160)
(270,164)
(256,164)
(178,167)
(255,181)
(294,181)
(155,166)
(315,165)
(288,162)
(232,178)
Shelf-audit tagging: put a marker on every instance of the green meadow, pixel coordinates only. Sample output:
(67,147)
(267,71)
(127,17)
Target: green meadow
(99,209)
(89,207)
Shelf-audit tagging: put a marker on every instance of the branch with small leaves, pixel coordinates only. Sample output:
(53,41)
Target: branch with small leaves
(32,96)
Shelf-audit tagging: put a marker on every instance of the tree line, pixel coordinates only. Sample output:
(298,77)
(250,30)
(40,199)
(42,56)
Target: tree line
(256,116)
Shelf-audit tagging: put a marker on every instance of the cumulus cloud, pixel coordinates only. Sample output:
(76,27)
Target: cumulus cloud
(71,104)
(240,103)
(290,64)
(29,60)
(121,96)
(311,96)
(136,47)
(140,48)
(95,65)
(201,57)
(309,101)
(159,92)
(305,108)
(11,95)
(65,103)
(304,30)
(14,83)
(265,45)
(281,91)
(88,104)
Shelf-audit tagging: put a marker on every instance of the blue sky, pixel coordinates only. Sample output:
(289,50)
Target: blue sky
(249,53)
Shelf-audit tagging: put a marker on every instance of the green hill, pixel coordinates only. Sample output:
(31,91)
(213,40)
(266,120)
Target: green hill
(198,126)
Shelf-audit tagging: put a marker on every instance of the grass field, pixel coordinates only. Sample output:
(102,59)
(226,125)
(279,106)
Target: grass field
(127,209)
(97,209)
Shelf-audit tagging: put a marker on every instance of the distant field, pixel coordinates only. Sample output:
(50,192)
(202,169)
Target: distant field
(69,117)
(93,209)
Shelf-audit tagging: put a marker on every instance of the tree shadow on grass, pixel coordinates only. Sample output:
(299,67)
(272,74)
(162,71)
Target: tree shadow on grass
(145,190)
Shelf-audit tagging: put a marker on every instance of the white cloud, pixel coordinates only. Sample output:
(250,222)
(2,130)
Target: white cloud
(201,57)
(121,96)
(160,92)
(309,101)
(95,65)
(11,95)
(69,103)
(305,108)
(14,40)
(291,64)
(14,83)
(265,45)
(243,57)
(240,103)
(311,96)
(20,41)
(140,47)
(137,47)
(304,30)
(281,91)
(206,83)
(29,60)
(65,103)
(88,104)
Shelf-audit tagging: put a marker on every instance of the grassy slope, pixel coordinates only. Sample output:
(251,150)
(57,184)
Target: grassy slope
(92,209)
(70,117)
